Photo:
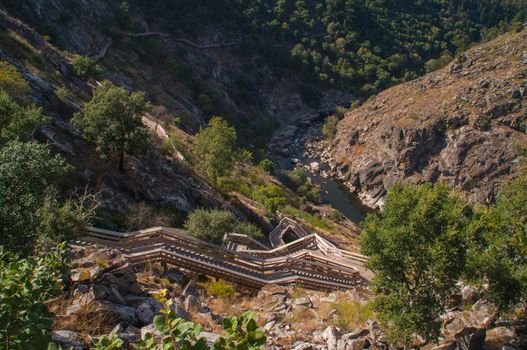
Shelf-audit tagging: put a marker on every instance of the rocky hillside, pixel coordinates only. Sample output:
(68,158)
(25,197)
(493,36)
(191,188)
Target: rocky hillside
(108,294)
(462,124)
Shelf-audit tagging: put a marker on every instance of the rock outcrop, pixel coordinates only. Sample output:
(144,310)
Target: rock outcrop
(461,124)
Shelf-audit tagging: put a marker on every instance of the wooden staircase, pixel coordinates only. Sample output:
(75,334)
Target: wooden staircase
(311,260)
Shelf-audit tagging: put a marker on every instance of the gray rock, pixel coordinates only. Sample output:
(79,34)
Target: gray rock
(192,304)
(122,312)
(211,338)
(68,339)
(180,311)
(190,289)
(331,335)
(149,329)
(304,301)
(147,310)
(175,276)
(469,295)
(471,339)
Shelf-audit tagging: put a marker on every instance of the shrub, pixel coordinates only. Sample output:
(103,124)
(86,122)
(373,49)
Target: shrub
(212,225)
(26,284)
(351,314)
(84,67)
(271,196)
(299,182)
(241,332)
(62,93)
(268,166)
(19,122)
(11,81)
(329,129)
(219,288)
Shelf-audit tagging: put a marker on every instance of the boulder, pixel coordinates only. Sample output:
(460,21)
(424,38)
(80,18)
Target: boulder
(179,309)
(149,329)
(122,278)
(304,301)
(121,312)
(175,276)
(469,295)
(470,339)
(147,310)
(211,338)
(331,336)
(192,304)
(68,339)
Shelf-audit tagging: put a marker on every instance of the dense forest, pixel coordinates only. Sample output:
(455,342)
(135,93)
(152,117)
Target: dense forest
(365,45)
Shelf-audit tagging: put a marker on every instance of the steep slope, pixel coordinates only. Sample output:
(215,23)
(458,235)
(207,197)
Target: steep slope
(461,124)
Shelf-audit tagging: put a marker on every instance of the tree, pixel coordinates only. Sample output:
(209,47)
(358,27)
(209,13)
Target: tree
(497,253)
(416,249)
(27,170)
(19,122)
(112,120)
(212,225)
(216,147)
(32,210)
(26,284)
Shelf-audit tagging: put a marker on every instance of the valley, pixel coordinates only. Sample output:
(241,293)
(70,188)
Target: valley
(247,175)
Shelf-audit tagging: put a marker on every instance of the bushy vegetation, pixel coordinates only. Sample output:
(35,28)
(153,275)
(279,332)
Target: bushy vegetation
(301,184)
(11,81)
(112,120)
(240,333)
(25,286)
(85,67)
(219,288)
(271,196)
(19,121)
(329,128)
(216,148)
(427,238)
(212,225)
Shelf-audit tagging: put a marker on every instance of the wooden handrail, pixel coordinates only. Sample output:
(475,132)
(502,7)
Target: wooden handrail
(310,260)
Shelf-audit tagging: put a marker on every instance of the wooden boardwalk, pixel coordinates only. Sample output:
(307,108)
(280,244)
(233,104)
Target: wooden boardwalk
(310,260)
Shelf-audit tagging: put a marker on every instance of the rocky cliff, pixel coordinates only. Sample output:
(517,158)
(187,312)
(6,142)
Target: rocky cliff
(462,124)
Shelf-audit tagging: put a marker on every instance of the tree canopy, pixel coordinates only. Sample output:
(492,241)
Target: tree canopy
(416,247)
(216,147)
(112,120)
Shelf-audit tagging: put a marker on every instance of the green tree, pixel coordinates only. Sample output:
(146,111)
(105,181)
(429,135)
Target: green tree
(216,147)
(416,248)
(112,120)
(27,171)
(498,246)
(19,122)
(212,225)
(25,285)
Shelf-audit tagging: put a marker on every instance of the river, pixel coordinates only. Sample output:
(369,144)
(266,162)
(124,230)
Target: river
(301,144)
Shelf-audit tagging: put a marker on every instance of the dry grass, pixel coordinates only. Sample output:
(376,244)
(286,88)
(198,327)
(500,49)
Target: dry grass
(304,319)
(348,314)
(90,319)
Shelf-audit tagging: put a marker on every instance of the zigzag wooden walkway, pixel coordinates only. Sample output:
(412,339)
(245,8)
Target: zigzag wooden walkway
(310,260)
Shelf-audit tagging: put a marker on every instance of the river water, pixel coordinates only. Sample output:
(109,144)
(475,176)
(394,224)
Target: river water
(332,192)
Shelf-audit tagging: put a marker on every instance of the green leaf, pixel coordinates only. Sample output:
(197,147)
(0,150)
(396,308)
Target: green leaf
(159,323)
